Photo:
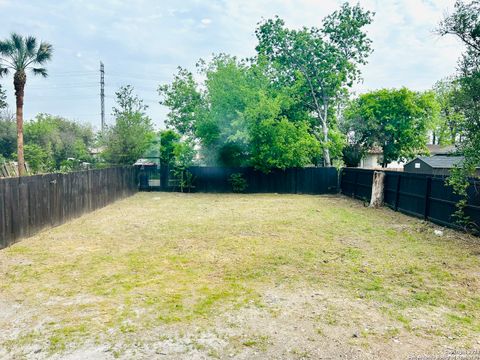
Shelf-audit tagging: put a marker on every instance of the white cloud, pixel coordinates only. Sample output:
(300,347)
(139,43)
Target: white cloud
(144,41)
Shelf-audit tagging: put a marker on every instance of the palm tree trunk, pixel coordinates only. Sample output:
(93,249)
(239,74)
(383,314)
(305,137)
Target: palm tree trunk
(19,80)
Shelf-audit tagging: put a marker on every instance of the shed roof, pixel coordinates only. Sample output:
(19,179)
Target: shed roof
(441,162)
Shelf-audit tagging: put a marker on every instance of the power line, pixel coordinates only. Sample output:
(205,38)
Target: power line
(66,86)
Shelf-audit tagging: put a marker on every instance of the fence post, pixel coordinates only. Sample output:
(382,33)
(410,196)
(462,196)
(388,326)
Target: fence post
(397,191)
(428,187)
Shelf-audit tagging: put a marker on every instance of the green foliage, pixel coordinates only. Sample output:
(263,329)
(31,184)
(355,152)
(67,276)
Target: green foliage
(60,138)
(244,119)
(273,111)
(394,120)
(168,141)
(50,141)
(238,182)
(445,123)
(276,142)
(8,137)
(352,155)
(464,23)
(38,159)
(323,62)
(132,134)
(18,53)
(184,154)
(184,101)
(230,87)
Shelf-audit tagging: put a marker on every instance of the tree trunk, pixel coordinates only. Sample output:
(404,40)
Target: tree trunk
(377,189)
(323,119)
(326,150)
(19,80)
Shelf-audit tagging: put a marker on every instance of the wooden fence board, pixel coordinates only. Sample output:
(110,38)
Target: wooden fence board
(29,204)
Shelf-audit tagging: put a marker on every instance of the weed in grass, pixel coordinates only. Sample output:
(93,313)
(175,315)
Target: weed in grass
(259,342)
(188,258)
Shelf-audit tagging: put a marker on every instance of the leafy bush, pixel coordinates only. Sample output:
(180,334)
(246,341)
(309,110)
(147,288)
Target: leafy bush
(239,184)
(184,154)
(352,155)
(38,159)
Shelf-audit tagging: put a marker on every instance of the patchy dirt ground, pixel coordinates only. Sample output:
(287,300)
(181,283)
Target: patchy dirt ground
(173,276)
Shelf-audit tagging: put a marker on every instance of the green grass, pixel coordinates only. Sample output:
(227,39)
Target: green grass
(157,259)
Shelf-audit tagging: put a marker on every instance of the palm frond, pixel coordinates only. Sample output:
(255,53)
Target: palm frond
(3,71)
(44,53)
(30,45)
(6,48)
(18,53)
(40,71)
(17,41)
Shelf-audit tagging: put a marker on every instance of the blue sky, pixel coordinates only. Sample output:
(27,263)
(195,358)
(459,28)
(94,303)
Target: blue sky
(142,42)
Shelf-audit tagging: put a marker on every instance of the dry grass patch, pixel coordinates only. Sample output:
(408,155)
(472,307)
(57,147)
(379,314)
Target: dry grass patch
(159,259)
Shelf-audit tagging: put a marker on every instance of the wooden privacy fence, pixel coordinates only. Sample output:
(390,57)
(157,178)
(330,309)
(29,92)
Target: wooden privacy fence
(31,203)
(290,181)
(423,196)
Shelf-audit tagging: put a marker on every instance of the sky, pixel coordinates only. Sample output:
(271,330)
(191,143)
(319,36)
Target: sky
(142,43)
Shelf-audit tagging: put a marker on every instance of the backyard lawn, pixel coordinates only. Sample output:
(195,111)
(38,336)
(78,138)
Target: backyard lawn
(168,275)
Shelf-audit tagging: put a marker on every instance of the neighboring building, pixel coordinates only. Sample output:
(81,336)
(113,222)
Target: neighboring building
(95,152)
(438,165)
(435,150)
(373,158)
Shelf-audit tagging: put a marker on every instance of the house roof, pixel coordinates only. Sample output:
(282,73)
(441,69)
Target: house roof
(144,162)
(439,161)
(432,149)
(441,149)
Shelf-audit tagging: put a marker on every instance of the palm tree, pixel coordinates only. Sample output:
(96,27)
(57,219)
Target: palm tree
(19,54)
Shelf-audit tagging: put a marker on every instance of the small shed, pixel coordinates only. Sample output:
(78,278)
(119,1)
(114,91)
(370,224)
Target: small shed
(439,165)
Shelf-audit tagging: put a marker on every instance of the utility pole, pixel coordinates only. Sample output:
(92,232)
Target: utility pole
(102,94)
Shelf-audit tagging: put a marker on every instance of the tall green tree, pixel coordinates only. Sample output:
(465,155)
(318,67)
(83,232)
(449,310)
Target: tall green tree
(168,140)
(275,141)
(444,127)
(323,61)
(20,54)
(8,137)
(59,138)
(132,135)
(464,23)
(185,102)
(241,118)
(394,120)
(230,86)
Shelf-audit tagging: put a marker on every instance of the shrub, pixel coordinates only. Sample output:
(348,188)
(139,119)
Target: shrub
(239,184)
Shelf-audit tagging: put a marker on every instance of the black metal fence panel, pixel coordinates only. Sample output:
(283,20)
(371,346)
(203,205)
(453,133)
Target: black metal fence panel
(421,195)
(31,203)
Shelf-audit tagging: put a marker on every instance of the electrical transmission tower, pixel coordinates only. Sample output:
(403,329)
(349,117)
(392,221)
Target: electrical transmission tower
(102,94)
